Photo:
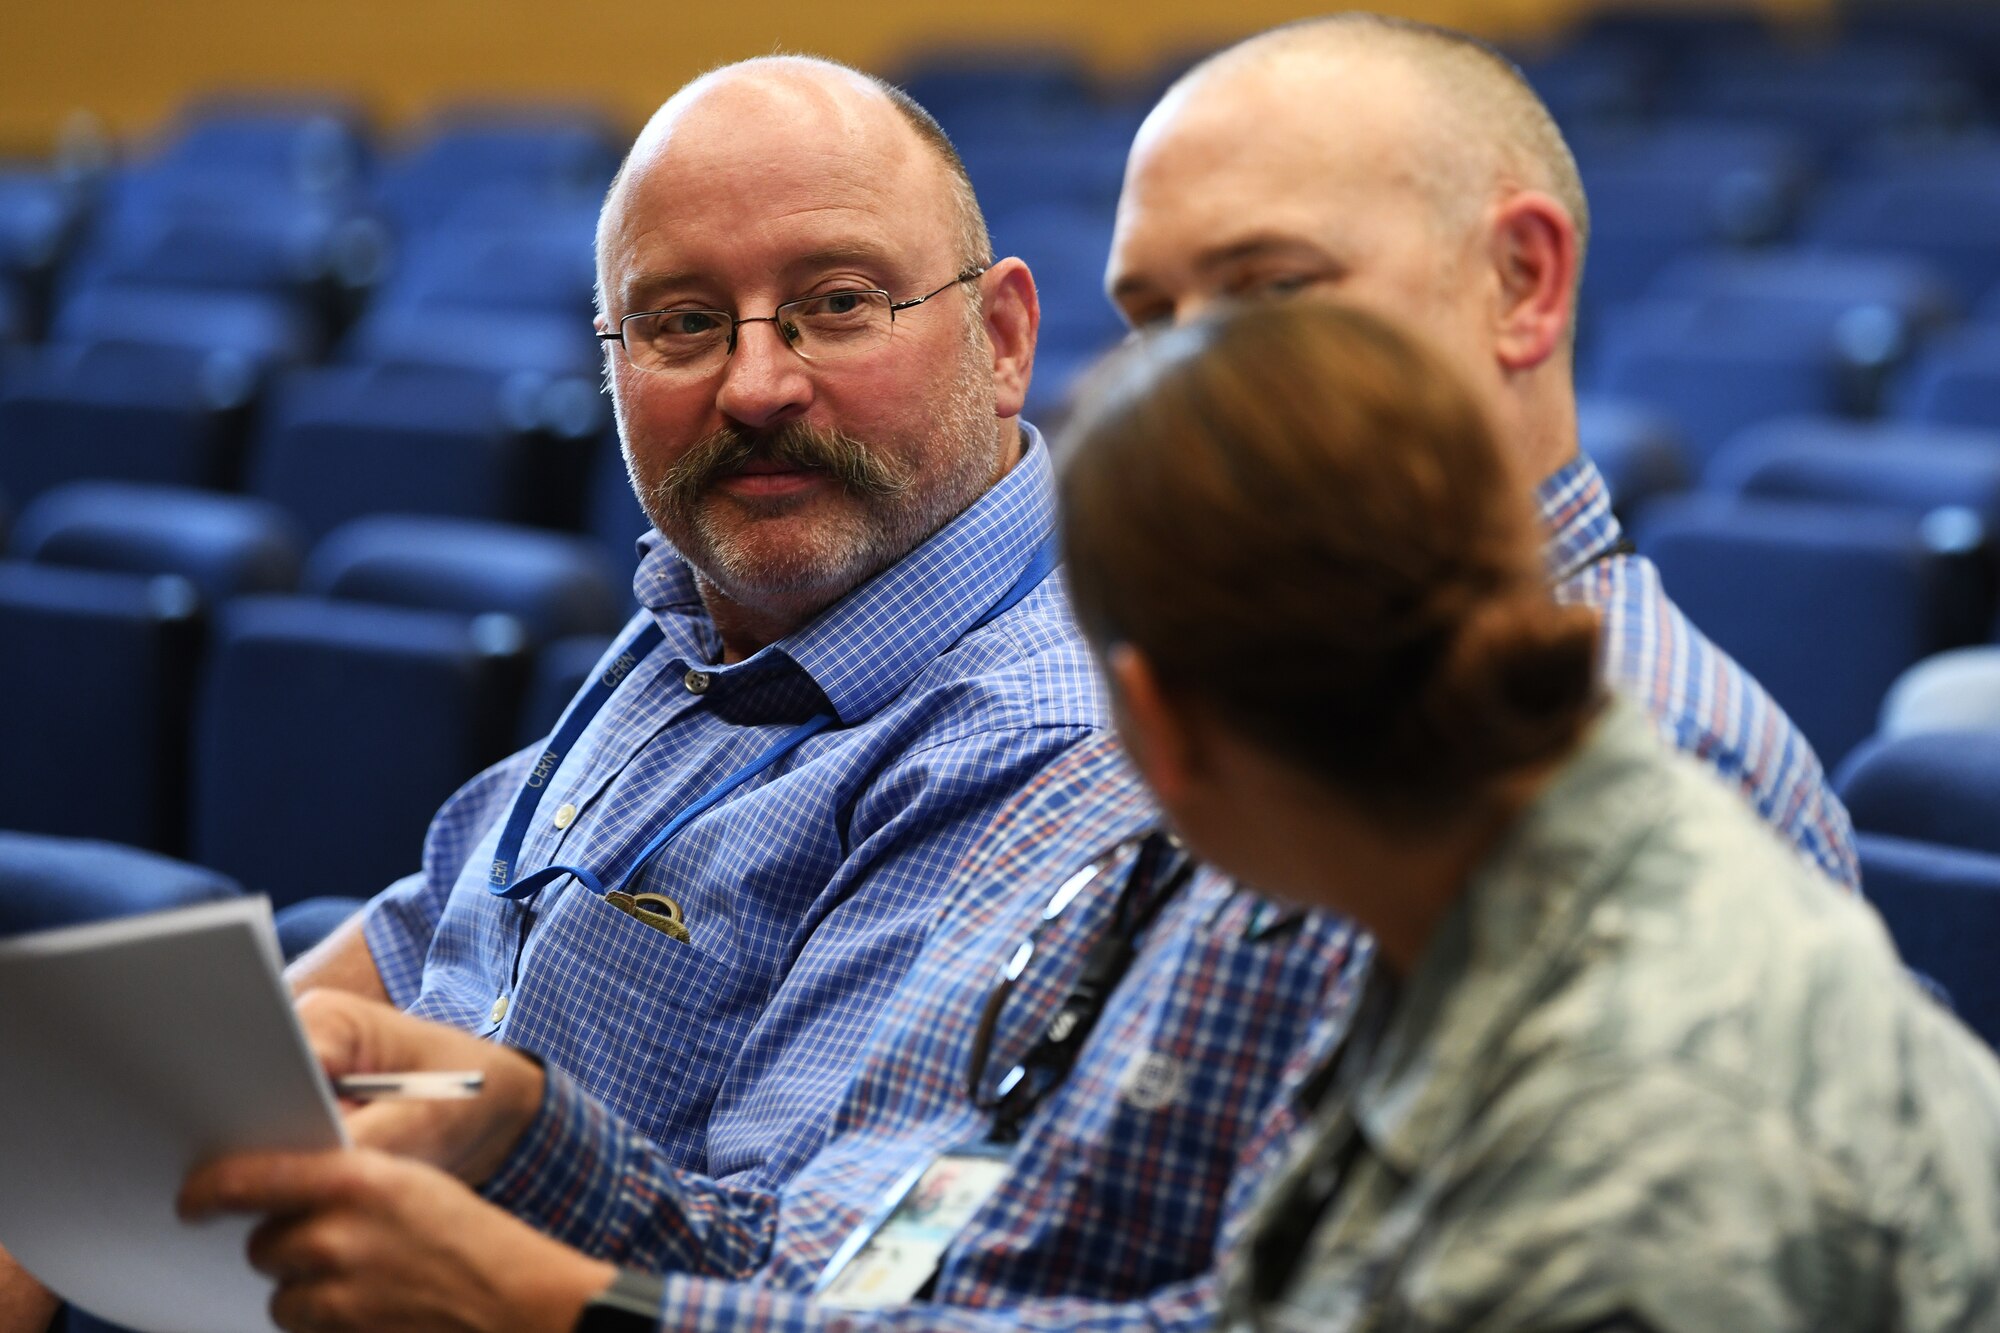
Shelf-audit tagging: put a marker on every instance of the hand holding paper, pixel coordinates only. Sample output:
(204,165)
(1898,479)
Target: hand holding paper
(133,1050)
(359,1240)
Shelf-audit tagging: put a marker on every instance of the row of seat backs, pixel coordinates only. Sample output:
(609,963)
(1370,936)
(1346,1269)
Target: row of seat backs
(297,742)
(1917,470)
(527,190)
(1746,341)
(1924,804)
(48,882)
(326,445)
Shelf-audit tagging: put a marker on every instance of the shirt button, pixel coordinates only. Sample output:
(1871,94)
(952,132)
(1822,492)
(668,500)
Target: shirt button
(499,1010)
(697,682)
(565,815)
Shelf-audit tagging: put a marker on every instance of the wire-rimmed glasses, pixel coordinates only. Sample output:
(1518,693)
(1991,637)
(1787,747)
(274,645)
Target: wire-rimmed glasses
(829,326)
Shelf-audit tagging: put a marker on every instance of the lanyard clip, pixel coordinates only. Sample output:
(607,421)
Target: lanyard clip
(655,909)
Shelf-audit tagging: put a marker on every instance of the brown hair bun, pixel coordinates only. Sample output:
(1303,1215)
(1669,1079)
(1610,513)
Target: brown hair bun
(1298,514)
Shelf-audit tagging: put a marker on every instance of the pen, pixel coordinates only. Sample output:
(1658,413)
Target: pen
(426,1086)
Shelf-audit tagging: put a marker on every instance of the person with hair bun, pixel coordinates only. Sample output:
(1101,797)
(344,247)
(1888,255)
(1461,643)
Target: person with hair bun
(1622,1063)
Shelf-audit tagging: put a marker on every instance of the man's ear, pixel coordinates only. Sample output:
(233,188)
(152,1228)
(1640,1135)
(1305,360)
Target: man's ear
(1013,316)
(1155,732)
(1533,251)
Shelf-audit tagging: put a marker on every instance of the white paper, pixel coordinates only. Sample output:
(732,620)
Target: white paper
(130,1052)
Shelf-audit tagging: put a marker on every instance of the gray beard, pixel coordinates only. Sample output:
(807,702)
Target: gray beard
(894,510)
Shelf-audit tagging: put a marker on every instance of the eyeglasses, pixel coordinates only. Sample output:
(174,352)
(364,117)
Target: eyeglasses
(828,327)
(1157,868)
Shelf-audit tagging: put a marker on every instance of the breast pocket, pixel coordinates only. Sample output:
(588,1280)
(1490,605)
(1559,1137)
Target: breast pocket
(648,1023)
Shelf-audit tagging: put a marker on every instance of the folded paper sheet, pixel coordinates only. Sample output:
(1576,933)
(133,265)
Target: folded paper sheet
(130,1051)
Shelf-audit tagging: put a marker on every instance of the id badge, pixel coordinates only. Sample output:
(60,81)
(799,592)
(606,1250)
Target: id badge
(892,1256)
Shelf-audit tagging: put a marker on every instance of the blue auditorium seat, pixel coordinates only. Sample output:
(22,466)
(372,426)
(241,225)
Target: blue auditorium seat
(1958,690)
(1708,377)
(1949,220)
(1827,285)
(37,213)
(1916,468)
(262,329)
(1644,218)
(1970,32)
(303,924)
(330,732)
(1067,246)
(1721,148)
(212,231)
(554,585)
(1728,340)
(1942,906)
(990,89)
(1956,379)
(158,414)
(1934,786)
(1634,447)
(1584,84)
(48,882)
(337,442)
(1659,193)
(1836,94)
(310,146)
(612,513)
(1674,36)
(1075,160)
(1956,154)
(469,148)
(98,676)
(499,270)
(14,316)
(561,668)
(471,338)
(1824,604)
(225,545)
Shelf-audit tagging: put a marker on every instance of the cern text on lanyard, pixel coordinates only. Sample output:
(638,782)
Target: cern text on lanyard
(591,700)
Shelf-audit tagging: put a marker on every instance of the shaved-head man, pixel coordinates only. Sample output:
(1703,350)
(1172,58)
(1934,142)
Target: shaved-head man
(1411,170)
(681,912)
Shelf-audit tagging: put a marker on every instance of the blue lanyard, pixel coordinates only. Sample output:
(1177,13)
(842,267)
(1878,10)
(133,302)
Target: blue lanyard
(587,704)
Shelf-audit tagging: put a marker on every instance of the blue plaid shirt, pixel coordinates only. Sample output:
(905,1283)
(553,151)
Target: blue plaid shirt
(1138,1171)
(806,892)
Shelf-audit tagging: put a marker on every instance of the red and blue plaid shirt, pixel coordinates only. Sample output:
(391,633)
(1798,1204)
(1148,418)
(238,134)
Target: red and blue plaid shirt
(1702,702)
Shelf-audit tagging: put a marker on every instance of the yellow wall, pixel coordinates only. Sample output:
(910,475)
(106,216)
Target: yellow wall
(130,62)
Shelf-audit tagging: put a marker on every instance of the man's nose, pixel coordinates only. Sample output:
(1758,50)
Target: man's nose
(764,381)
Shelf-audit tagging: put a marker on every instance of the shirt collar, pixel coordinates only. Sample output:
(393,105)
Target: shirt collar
(1575,506)
(1520,918)
(865,648)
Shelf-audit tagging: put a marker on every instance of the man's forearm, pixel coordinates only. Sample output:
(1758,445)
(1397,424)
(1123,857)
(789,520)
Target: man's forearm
(341,961)
(594,1183)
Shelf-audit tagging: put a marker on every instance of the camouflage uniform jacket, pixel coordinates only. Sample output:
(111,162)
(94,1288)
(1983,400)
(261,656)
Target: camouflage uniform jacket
(1651,1074)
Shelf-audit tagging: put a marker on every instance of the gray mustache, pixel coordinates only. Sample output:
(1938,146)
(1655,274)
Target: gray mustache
(856,466)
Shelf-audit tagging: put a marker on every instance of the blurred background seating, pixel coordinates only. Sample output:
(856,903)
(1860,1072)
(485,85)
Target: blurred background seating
(311,503)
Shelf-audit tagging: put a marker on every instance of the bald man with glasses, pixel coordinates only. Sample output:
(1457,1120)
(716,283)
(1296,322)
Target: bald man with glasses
(692,899)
